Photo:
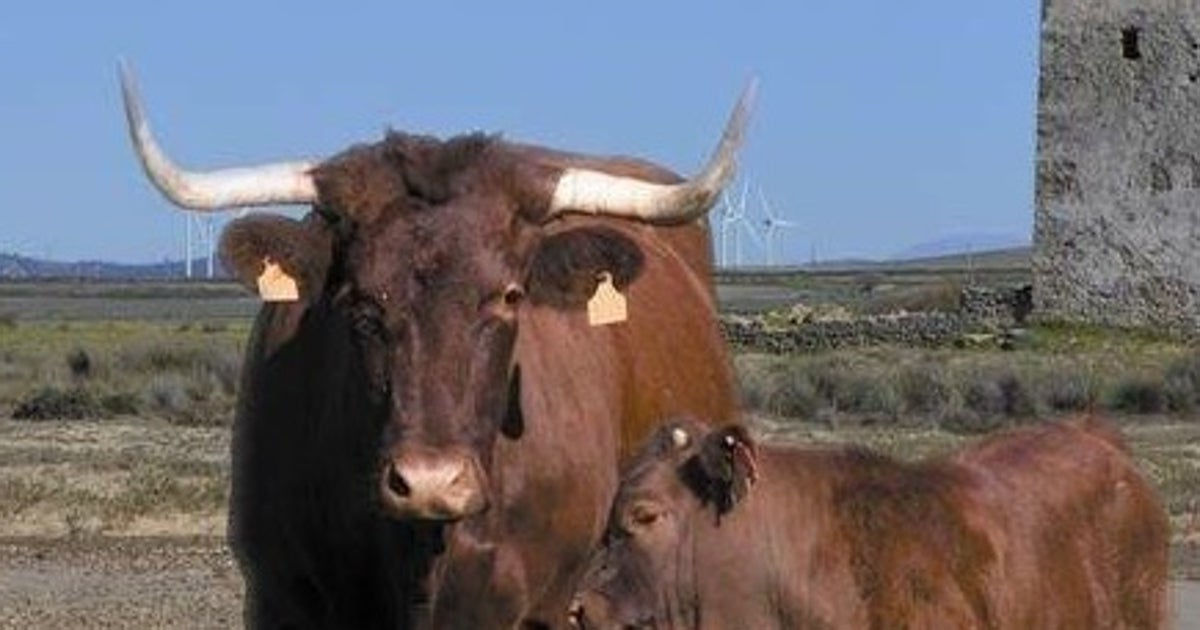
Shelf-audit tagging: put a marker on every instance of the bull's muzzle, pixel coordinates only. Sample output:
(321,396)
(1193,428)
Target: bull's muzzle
(590,610)
(433,486)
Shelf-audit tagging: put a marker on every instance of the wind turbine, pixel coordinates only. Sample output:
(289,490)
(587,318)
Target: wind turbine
(726,221)
(771,225)
(200,237)
(732,222)
(735,220)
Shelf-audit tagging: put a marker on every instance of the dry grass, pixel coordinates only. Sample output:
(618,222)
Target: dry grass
(103,369)
(978,390)
(151,454)
(60,478)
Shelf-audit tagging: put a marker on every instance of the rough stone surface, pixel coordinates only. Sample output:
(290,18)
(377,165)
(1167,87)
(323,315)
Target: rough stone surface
(1117,227)
(990,311)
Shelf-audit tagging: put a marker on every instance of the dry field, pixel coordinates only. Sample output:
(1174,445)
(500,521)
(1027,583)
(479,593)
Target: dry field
(114,470)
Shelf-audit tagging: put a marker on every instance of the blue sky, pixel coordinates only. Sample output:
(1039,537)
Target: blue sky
(880,124)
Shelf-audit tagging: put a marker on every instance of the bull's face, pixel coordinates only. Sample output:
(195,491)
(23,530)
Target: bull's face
(643,575)
(434,266)
(432,249)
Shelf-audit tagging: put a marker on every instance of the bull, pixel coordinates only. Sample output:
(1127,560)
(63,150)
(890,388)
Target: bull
(429,426)
(1042,527)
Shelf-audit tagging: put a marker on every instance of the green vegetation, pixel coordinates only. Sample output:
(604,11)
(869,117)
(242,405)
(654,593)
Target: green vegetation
(1058,370)
(86,370)
(115,401)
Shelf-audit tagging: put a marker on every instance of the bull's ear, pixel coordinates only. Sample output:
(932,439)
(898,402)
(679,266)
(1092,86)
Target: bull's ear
(726,466)
(302,250)
(566,266)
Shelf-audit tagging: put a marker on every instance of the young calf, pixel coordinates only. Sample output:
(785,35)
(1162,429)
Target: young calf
(1042,527)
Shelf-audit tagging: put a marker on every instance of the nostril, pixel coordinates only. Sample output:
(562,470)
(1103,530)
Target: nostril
(396,483)
(575,614)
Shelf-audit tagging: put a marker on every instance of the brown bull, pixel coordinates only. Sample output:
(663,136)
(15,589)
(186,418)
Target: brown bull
(1042,527)
(428,435)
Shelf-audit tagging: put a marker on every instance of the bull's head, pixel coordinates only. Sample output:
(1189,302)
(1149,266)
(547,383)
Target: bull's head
(432,248)
(686,477)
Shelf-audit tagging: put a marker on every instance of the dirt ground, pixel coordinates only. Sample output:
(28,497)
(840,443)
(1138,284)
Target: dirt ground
(118,583)
(119,523)
(178,583)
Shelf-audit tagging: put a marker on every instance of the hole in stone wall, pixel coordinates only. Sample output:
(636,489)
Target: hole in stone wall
(1130,46)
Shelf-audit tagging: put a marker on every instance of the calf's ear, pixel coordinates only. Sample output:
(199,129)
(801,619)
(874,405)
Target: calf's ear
(566,266)
(301,249)
(726,466)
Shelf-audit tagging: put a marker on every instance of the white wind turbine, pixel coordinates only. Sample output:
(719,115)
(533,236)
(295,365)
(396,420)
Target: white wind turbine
(726,222)
(771,225)
(736,222)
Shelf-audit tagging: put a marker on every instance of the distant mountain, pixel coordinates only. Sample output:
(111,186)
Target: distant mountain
(951,250)
(17,267)
(962,244)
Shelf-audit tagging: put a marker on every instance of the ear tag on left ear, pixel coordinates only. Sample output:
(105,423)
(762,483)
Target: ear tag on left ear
(607,305)
(275,285)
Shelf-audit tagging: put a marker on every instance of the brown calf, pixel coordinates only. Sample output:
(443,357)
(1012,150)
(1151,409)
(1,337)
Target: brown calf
(1042,527)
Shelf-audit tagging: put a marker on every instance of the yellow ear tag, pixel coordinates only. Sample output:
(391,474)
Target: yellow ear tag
(607,305)
(275,285)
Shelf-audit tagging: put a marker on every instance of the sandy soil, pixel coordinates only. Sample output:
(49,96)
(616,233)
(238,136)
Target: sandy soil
(119,583)
(118,524)
(179,583)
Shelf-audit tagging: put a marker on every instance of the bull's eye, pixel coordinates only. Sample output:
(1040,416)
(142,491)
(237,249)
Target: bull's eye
(513,294)
(644,515)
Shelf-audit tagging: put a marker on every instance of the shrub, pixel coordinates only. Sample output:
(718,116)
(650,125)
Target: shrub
(998,391)
(213,327)
(161,357)
(970,422)
(188,401)
(865,393)
(1068,390)
(80,363)
(120,404)
(166,394)
(53,403)
(792,395)
(8,321)
(774,386)
(1138,394)
(1181,384)
(922,389)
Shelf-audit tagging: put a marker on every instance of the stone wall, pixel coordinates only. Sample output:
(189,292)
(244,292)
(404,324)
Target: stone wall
(1117,225)
(983,312)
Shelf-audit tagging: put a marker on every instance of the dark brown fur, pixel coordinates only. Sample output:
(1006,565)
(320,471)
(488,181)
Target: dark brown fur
(1042,527)
(411,344)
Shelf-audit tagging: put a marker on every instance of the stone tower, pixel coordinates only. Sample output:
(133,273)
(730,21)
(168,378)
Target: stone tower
(1117,229)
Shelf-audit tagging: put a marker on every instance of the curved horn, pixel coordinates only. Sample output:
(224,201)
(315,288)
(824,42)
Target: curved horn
(595,192)
(268,184)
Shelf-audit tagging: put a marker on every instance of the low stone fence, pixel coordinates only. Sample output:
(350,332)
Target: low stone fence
(984,313)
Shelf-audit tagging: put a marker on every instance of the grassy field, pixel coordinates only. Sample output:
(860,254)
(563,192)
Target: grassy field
(115,399)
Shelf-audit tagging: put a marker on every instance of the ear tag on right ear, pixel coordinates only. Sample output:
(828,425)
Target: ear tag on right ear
(607,305)
(275,285)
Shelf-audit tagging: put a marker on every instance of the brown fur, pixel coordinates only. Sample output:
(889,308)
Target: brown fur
(410,343)
(1042,527)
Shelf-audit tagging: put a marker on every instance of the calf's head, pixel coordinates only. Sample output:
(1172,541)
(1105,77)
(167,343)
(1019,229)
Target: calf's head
(687,476)
(431,249)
